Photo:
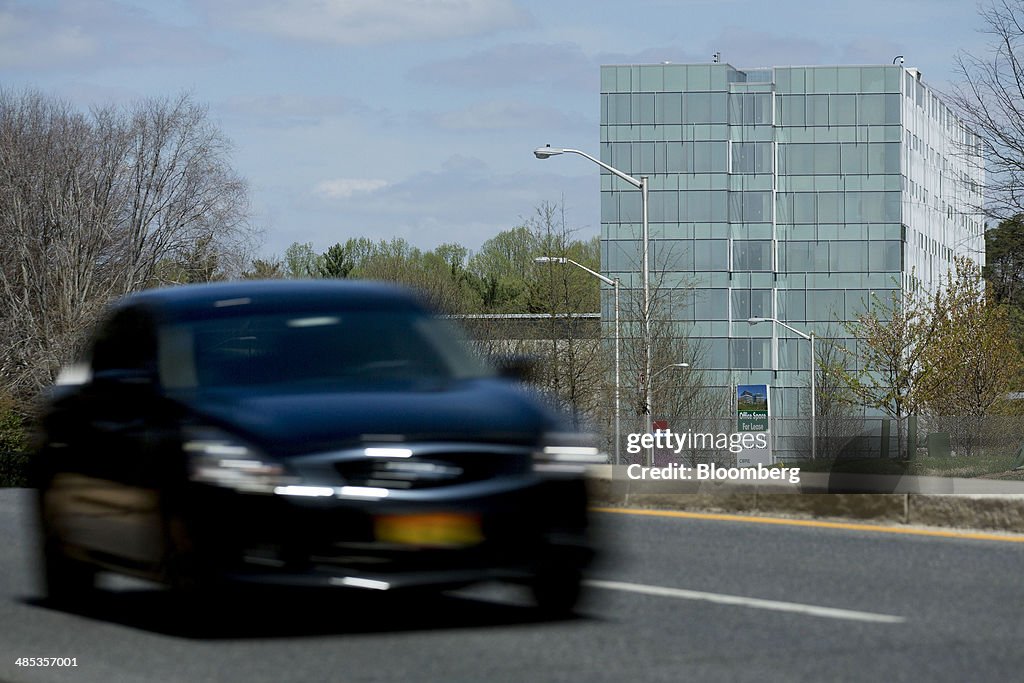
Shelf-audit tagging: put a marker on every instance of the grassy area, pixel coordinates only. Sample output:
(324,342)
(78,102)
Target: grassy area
(13,469)
(979,465)
(856,466)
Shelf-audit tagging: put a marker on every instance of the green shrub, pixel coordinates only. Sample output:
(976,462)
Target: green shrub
(13,445)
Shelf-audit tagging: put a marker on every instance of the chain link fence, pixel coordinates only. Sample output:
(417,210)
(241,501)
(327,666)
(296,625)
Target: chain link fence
(925,445)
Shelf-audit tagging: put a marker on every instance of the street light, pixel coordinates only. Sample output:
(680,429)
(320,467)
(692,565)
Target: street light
(641,184)
(669,367)
(614,283)
(810,338)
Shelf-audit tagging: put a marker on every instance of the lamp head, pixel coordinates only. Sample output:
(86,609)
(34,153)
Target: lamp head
(546,151)
(755,320)
(549,259)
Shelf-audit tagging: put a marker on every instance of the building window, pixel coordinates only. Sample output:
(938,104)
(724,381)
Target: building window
(711,304)
(751,303)
(750,207)
(711,255)
(746,109)
(750,354)
(751,255)
(751,157)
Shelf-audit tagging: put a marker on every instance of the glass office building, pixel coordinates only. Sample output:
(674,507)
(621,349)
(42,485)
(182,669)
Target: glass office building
(786,192)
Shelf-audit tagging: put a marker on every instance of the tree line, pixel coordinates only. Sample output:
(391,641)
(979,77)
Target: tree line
(502,277)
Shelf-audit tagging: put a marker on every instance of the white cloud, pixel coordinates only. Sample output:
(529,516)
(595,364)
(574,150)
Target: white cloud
(343,188)
(367,22)
(83,34)
(23,42)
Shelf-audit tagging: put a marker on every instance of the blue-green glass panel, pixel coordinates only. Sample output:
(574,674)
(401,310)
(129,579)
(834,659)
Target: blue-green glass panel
(848,79)
(804,208)
(826,158)
(752,255)
(830,207)
(608,79)
(783,80)
(824,79)
(630,207)
(697,106)
(623,79)
(872,79)
(698,77)
(669,107)
(652,78)
(719,108)
(843,110)
(675,77)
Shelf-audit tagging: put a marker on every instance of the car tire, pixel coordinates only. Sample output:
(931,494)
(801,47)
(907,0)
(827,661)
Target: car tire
(66,581)
(192,584)
(556,592)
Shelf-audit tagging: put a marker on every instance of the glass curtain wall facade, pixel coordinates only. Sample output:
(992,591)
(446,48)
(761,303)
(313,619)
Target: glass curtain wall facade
(786,192)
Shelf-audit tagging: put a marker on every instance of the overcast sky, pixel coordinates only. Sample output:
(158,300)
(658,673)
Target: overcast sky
(418,118)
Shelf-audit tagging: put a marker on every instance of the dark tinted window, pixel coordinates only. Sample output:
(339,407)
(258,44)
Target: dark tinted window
(348,348)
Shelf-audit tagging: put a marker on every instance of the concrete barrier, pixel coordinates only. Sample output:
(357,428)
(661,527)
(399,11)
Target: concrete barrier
(928,501)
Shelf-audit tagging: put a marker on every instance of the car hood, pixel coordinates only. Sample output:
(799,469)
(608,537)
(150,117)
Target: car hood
(292,423)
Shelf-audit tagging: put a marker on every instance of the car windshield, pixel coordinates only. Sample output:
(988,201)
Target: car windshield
(350,348)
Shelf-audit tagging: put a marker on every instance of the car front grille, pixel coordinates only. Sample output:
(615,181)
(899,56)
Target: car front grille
(431,471)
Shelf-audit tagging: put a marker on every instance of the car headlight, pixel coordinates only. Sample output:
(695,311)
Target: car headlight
(220,459)
(568,453)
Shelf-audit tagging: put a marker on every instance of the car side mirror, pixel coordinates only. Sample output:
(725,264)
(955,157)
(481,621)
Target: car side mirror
(522,368)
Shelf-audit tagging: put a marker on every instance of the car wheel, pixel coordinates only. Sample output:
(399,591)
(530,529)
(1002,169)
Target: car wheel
(188,575)
(557,591)
(65,579)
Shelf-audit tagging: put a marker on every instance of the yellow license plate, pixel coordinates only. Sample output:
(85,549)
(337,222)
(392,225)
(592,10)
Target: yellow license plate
(433,530)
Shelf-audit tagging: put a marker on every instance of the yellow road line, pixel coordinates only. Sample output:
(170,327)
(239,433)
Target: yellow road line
(973,535)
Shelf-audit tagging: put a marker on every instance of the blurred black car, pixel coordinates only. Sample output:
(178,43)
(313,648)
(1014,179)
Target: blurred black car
(320,433)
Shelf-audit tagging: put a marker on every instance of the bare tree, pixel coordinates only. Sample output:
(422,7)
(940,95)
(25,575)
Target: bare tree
(93,206)
(680,396)
(59,198)
(573,364)
(179,189)
(990,100)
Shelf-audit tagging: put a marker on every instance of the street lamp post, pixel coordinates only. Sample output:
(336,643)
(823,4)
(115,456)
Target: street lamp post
(669,367)
(614,283)
(641,184)
(814,404)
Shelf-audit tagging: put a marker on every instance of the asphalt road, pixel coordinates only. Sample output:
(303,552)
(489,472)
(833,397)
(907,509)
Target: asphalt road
(675,599)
